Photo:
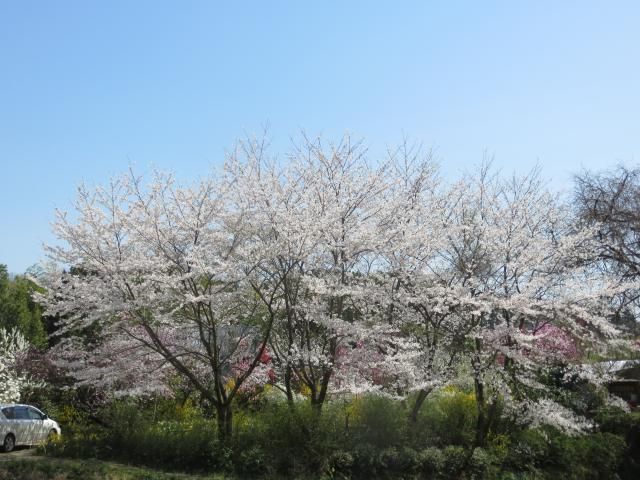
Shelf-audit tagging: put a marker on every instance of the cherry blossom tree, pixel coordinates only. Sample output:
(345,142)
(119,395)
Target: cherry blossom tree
(518,260)
(166,273)
(487,275)
(320,216)
(115,364)
(417,295)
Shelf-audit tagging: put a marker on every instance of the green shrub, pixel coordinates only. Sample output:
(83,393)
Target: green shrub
(454,461)
(183,446)
(432,461)
(602,452)
(443,463)
(365,461)
(340,465)
(616,420)
(188,446)
(253,462)
(526,451)
(389,460)
(627,426)
(595,456)
(294,441)
(409,461)
(379,421)
(480,464)
(368,437)
(447,418)
(85,441)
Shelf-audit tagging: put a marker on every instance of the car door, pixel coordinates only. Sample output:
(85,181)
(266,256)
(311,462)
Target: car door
(7,422)
(21,423)
(37,426)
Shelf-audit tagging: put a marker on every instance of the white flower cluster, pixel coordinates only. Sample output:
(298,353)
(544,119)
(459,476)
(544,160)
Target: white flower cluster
(12,345)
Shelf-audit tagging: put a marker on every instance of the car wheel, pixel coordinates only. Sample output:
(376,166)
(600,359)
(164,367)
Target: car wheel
(9,443)
(52,435)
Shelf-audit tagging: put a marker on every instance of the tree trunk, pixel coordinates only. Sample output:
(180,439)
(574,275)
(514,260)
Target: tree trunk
(225,422)
(482,414)
(316,405)
(486,415)
(287,385)
(422,396)
(481,403)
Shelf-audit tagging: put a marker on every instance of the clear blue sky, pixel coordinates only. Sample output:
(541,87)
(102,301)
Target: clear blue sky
(89,87)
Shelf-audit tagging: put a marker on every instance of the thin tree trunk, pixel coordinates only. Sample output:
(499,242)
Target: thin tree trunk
(287,385)
(422,396)
(481,403)
(324,388)
(482,413)
(225,422)
(316,405)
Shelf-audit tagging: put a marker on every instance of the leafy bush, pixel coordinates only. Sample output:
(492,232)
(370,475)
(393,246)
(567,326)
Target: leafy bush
(340,465)
(615,420)
(448,418)
(362,439)
(253,462)
(85,441)
(409,461)
(454,461)
(594,456)
(378,421)
(432,461)
(77,470)
(527,450)
(295,440)
(184,446)
(627,426)
(134,436)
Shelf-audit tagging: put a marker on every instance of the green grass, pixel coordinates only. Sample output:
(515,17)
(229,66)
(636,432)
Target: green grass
(45,468)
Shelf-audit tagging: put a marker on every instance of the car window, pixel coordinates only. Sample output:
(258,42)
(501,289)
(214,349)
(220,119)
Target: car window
(20,413)
(34,414)
(8,413)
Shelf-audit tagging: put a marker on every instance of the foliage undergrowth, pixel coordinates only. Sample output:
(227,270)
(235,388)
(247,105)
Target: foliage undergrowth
(363,437)
(53,469)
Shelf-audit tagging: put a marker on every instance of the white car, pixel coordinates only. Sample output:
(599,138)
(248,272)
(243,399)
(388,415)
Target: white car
(24,425)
